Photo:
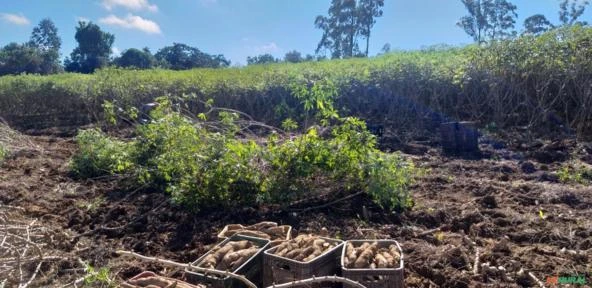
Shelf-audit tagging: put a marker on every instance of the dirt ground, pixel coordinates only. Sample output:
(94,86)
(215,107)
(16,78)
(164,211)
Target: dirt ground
(508,206)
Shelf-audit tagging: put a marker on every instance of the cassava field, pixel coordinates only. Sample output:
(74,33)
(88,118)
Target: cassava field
(86,173)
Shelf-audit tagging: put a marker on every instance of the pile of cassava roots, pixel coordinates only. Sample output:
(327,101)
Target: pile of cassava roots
(369,255)
(304,248)
(230,256)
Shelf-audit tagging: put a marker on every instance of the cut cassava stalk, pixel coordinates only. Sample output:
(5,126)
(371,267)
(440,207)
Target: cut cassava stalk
(476,266)
(539,282)
(335,279)
(188,266)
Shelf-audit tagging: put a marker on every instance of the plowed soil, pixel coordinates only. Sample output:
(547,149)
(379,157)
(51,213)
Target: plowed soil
(509,206)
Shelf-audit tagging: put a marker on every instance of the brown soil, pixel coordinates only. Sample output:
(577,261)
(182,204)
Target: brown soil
(491,205)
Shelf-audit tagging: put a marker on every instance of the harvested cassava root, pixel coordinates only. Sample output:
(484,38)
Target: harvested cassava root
(369,255)
(264,230)
(304,248)
(230,256)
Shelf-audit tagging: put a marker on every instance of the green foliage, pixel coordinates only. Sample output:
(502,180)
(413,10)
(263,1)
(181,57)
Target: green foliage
(262,59)
(100,155)
(182,57)
(16,58)
(578,174)
(516,83)
(203,164)
(537,24)
(100,278)
(46,39)
(135,58)
(93,51)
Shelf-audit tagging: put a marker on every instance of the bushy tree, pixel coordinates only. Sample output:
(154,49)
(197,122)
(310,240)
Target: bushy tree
(537,24)
(93,51)
(181,56)
(20,58)
(261,59)
(135,58)
(45,38)
(293,57)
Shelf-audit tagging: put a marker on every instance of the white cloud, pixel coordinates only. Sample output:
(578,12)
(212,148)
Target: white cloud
(135,5)
(15,19)
(268,48)
(132,22)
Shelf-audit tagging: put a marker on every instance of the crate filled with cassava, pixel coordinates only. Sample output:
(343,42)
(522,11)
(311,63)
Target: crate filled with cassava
(373,263)
(239,254)
(300,258)
(264,230)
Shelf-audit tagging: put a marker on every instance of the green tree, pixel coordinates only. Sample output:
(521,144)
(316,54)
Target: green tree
(293,57)
(20,58)
(45,38)
(181,57)
(261,59)
(93,51)
(136,58)
(340,29)
(493,19)
(502,19)
(537,24)
(571,10)
(368,11)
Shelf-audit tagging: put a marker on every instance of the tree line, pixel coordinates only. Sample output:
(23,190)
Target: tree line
(346,30)
(491,20)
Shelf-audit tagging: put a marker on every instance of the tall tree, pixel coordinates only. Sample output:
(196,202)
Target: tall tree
(180,56)
(476,23)
(45,38)
(93,51)
(347,20)
(369,10)
(493,19)
(571,10)
(502,18)
(537,24)
(293,57)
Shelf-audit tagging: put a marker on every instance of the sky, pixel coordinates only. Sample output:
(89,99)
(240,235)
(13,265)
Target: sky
(241,28)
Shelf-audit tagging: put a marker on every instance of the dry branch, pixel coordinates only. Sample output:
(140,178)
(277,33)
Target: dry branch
(539,282)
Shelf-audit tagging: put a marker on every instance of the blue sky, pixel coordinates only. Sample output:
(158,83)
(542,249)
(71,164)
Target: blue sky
(241,28)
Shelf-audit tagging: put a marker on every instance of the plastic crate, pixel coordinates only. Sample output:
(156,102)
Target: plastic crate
(147,274)
(251,269)
(279,270)
(287,231)
(375,278)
